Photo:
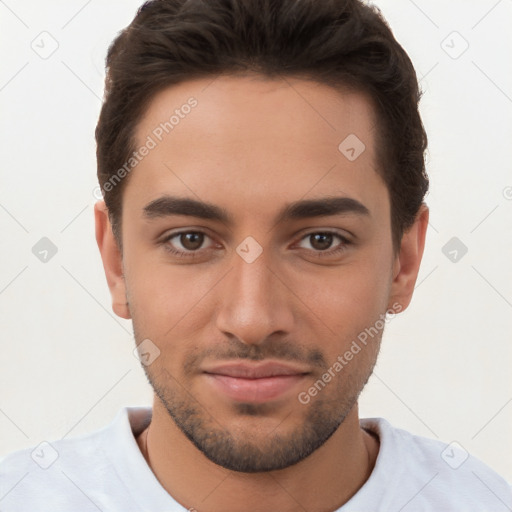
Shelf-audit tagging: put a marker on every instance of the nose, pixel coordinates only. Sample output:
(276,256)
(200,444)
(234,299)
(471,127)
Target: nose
(254,302)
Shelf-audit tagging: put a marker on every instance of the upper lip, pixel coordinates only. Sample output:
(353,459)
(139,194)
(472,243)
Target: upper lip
(255,370)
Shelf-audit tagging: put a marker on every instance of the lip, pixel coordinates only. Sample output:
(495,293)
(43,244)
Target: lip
(255,383)
(255,370)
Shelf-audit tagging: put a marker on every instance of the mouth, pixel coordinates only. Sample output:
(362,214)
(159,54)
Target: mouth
(255,383)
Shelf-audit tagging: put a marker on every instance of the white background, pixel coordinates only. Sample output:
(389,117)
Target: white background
(66,363)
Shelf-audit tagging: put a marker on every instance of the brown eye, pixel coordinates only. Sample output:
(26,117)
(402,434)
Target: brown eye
(321,241)
(191,241)
(186,243)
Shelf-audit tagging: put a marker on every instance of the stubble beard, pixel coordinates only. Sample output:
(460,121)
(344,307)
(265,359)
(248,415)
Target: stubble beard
(275,450)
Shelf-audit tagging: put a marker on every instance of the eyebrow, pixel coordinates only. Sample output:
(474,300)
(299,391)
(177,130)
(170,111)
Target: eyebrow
(166,206)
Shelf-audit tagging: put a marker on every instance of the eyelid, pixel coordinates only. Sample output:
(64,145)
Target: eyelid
(182,231)
(345,238)
(342,233)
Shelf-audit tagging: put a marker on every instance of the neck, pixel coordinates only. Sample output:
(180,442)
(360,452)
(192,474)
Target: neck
(322,482)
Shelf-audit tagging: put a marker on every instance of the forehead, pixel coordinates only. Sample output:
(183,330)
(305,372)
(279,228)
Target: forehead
(246,139)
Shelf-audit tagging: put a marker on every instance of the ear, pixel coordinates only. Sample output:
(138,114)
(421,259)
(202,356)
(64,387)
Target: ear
(112,260)
(407,262)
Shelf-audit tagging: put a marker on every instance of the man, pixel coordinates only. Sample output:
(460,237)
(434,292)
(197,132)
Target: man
(263,217)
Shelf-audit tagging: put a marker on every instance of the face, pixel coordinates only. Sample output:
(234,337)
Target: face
(255,253)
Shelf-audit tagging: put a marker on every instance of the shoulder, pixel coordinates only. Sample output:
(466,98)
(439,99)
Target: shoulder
(434,472)
(64,474)
(41,473)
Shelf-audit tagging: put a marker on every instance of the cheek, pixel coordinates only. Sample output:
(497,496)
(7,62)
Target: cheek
(348,300)
(165,298)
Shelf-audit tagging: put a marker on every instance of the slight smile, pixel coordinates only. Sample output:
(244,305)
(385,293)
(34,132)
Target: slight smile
(255,383)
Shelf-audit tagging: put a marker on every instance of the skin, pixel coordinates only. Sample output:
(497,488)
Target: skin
(252,146)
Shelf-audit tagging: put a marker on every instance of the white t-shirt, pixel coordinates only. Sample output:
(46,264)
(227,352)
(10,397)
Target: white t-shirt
(105,471)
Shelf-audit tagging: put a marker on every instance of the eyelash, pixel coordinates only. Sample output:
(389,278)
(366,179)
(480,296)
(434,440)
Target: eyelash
(191,254)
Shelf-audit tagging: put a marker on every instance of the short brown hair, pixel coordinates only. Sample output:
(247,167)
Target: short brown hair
(341,43)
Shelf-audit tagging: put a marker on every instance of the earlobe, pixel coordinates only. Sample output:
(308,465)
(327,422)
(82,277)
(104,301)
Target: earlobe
(112,260)
(408,260)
